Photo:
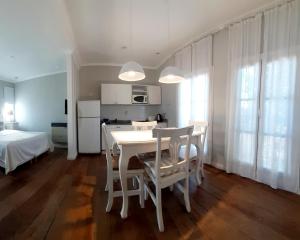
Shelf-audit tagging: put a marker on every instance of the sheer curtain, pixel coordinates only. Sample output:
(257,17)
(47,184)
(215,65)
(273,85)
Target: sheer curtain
(279,134)
(183,61)
(243,96)
(195,93)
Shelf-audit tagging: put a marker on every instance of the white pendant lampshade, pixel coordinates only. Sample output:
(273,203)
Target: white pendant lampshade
(171,75)
(132,71)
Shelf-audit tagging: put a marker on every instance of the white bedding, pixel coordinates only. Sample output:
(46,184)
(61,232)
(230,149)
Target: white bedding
(18,147)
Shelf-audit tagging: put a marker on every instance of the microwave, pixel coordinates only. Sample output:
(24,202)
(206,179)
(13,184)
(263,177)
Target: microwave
(139,99)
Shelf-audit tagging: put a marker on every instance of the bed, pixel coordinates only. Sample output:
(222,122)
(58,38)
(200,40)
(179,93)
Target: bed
(18,147)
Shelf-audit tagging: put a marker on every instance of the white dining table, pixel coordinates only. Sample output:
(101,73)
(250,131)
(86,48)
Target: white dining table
(132,143)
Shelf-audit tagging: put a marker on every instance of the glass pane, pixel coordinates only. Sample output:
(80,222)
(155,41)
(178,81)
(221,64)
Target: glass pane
(276,116)
(200,92)
(274,153)
(246,146)
(184,103)
(249,76)
(248,116)
(280,77)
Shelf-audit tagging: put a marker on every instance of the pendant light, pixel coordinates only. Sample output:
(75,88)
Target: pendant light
(131,71)
(170,74)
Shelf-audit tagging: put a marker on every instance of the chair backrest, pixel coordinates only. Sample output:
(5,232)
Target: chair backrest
(177,137)
(200,126)
(140,126)
(107,148)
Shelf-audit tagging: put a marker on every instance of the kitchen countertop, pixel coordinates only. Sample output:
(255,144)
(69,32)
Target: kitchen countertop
(122,122)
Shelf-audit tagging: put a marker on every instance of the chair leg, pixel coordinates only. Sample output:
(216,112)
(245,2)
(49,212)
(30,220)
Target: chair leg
(110,195)
(202,169)
(146,194)
(107,179)
(109,199)
(142,198)
(186,195)
(159,216)
(198,177)
(134,182)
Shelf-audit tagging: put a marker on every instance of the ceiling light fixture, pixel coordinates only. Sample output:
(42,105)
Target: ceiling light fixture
(131,71)
(170,74)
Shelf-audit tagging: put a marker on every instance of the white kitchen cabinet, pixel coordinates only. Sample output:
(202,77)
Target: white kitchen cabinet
(115,94)
(154,95)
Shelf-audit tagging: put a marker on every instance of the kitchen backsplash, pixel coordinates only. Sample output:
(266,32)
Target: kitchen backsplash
(124,112)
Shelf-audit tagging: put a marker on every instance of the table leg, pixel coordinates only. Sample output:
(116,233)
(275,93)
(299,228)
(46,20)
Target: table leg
(198,166)
(123,165)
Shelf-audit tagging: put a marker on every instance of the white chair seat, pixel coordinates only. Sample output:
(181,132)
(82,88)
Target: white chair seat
(193,152)
(166,168)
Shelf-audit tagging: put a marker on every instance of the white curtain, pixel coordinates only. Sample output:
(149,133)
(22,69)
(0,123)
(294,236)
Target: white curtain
(243,96)
(183,61)
(279,134)
(195,93)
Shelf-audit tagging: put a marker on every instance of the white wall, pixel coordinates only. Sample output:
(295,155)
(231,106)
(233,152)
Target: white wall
(72,96)
(40,101)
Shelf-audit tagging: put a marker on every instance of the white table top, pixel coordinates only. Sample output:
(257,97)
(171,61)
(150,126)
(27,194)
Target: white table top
(137,137)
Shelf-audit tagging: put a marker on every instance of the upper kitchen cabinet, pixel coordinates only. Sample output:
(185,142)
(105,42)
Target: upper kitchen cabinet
(116,94)
(154,95)
(125,93)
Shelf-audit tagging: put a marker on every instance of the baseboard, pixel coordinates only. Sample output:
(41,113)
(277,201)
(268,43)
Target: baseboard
(218,165)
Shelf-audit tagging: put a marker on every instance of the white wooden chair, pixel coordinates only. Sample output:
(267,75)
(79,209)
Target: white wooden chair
(169,170)
(135,171)
(140,126)
(197,151)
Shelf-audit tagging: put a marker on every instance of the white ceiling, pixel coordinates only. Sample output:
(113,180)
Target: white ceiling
(102,27)
(35,34)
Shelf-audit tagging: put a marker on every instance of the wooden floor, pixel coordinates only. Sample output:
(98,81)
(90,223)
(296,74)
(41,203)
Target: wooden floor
(58,199)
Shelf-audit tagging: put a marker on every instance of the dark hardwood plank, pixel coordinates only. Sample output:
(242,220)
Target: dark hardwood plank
(54,198)
(42,223)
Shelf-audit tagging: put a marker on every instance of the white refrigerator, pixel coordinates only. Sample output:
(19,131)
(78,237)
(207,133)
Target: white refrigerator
(89,140)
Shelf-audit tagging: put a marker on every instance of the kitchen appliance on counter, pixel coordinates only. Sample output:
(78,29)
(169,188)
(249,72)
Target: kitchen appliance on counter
(89,128)
(159,117)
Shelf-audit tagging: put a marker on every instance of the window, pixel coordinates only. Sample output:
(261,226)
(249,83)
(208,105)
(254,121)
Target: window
(194,99)
(8,112)
(277,113)
(247,105)
(9,106)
